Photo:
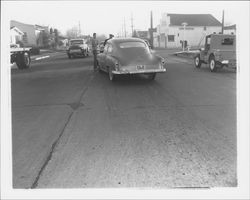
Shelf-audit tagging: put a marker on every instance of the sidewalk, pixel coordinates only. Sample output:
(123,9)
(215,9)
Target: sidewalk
(46,53)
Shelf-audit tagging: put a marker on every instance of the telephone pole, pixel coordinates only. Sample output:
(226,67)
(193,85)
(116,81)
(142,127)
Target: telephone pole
(125,34)
(151,30)
(79,31)
(222,24)
(132,25)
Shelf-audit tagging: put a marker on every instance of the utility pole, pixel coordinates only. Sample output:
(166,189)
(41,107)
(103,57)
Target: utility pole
(79,31)
(222,24)
(132,25)
(125,34)
(122,32)
(151,30)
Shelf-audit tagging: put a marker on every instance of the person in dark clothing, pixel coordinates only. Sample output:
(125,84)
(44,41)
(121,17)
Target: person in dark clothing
(110,37)
(94,50)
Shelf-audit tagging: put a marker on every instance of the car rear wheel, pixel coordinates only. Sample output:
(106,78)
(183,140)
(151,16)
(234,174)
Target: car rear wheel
(197,61)
(212,64)
(151,76)
(111,75)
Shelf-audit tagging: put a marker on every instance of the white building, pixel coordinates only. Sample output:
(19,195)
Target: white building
(171,33)
(31,33)
(230,29)
(15,35)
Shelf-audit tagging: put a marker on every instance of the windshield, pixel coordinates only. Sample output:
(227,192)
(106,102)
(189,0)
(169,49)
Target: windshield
(74,42)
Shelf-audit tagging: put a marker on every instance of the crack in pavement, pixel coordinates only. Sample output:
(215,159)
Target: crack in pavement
(35,183)
(74,107)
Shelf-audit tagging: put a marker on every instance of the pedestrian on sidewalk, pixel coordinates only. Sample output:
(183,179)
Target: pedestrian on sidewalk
(94,50)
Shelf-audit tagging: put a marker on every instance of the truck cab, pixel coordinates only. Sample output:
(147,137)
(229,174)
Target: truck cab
(219,51)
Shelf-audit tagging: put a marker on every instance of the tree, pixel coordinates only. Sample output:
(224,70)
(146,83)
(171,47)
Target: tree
(56,36)
(51,31)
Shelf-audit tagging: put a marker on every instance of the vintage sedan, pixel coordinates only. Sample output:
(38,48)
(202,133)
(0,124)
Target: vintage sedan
(77,47)
(129,56)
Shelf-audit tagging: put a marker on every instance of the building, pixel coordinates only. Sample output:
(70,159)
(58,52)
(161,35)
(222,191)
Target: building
(16,35)
(192,28)
(230,29)
(31,33)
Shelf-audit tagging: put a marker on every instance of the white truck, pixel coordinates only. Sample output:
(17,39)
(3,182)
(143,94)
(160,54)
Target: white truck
(20,56)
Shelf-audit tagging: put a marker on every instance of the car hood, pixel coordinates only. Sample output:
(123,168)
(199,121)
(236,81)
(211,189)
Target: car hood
(136,56)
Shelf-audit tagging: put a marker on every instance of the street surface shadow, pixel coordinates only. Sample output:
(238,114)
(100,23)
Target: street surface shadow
(133,79)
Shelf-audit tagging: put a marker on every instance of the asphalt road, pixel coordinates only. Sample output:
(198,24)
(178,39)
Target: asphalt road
(73,128)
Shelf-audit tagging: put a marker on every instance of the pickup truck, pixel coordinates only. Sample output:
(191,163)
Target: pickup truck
(77,47)
(20,56)
(219,51)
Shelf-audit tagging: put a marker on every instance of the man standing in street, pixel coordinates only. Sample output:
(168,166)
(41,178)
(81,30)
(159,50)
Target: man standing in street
(94,50)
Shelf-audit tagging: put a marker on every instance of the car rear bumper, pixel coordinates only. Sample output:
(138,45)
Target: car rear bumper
(140,71)
(229,63)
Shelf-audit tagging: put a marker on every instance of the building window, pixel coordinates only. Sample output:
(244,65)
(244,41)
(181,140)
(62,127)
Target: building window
(171,38)
(25,38)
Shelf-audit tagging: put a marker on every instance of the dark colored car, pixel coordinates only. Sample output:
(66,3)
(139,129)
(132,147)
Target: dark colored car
(77,47)
(129,56)
(219,51)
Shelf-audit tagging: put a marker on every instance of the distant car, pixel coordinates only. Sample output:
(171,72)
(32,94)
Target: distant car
(219,51)
(77,47)
(129,56)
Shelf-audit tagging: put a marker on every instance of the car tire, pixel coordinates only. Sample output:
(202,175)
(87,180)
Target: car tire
(69,56)
(23,60)
(151,76)
(112,76)
(197,61)
(212,64)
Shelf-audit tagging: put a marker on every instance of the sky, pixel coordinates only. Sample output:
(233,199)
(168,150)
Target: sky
(104,17)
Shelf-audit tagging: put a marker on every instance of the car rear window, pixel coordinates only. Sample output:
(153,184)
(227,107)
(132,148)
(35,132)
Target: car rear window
(227,41)
(76,42)
(124,45)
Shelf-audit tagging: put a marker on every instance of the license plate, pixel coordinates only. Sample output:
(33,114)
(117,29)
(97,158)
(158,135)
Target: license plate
(75,50)
(140,67)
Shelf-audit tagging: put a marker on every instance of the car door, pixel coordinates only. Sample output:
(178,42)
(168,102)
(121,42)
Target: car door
(207,48)
(108,58)
(102,58)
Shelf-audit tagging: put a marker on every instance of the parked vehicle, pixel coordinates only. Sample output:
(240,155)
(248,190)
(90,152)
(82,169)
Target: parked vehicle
(20,56)
(219,51)
(129,56)
(77,47)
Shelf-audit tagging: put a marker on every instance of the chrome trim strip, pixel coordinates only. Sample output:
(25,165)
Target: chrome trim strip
(140,71)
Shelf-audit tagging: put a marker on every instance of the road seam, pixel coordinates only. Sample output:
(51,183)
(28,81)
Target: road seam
(74,108)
